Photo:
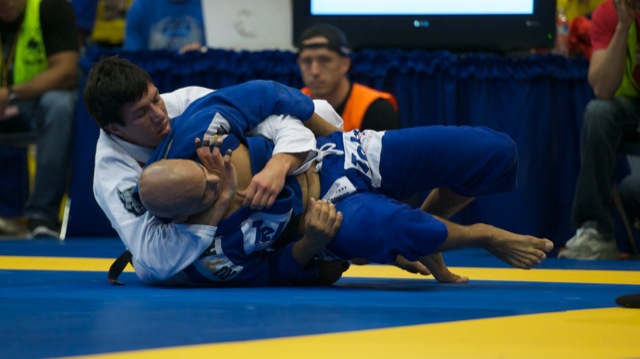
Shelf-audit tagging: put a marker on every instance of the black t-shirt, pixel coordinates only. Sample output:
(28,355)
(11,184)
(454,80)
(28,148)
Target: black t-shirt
(58,28)
(380,116)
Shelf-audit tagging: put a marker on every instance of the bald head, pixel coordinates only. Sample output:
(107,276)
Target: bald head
(173,188)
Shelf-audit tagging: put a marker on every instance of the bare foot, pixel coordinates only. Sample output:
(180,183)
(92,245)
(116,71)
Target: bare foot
(520,251)
(435,263)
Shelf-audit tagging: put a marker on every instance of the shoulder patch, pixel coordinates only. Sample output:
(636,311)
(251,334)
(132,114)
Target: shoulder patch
(131,202)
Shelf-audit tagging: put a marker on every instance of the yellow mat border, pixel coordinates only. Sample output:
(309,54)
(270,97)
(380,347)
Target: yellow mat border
(585,334)
(369,271)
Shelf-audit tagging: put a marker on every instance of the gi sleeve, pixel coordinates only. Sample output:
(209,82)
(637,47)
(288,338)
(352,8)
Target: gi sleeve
(287,133)
(275,268)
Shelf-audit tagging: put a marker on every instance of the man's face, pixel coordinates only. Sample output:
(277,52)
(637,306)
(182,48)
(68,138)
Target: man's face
(199,189)
(321,68)
(209,189)
(10,10)
(146,121)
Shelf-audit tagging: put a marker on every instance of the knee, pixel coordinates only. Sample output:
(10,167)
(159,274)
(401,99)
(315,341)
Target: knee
(62,102)
(500,166)
(505,153)
(508,148)
(599,114)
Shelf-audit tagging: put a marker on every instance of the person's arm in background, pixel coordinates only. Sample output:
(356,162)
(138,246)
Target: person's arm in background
(196,46)
(381,116)
(61,74)
(607,65)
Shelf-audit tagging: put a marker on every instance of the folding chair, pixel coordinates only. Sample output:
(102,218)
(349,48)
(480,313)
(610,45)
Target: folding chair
(628,149)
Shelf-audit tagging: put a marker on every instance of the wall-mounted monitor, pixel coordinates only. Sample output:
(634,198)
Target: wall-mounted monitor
(455,25)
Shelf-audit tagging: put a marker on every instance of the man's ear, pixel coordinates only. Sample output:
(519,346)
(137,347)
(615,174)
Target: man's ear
(345,63)
(113,128)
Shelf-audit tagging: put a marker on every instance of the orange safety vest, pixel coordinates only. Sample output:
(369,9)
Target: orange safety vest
(360,98)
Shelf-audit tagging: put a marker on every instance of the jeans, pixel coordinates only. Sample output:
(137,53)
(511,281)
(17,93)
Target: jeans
(52,115)
(607,124)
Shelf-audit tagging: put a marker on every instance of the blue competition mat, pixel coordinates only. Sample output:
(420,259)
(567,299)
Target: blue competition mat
(55,313)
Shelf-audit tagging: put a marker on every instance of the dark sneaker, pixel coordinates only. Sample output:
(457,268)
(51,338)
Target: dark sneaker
(41,229)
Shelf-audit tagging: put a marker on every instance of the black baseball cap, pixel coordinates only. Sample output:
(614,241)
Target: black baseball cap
(337,40)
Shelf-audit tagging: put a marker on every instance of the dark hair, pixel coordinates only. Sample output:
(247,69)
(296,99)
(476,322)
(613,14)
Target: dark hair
(111,84)
(337,40)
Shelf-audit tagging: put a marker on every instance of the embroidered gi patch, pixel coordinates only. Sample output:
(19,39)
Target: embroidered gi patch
(131,202)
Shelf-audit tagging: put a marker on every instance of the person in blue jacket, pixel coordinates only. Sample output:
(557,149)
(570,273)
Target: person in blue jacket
(170,25)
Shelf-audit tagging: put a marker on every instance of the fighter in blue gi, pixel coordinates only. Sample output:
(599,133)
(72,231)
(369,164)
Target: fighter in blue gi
(366,174)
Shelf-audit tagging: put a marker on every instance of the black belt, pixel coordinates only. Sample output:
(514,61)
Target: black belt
(118,267)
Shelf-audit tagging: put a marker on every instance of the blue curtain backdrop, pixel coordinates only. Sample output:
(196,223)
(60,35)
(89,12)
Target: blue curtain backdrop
(536,99)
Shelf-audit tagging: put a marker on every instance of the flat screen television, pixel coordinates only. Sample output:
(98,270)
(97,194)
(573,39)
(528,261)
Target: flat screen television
(454,25)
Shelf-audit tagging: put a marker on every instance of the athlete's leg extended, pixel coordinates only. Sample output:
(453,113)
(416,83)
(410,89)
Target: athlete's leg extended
(516,250)
(378,229)
(520,251)
(470,161)
(444,202)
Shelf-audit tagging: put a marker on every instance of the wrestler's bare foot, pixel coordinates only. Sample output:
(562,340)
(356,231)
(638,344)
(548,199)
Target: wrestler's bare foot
(435,263)
(520,251)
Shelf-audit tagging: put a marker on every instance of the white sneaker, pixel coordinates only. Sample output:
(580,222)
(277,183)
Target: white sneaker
(589,244)
(12,226)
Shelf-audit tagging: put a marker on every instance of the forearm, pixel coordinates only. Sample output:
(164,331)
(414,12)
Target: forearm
(304,250)
(319,126)
(608,66)
(285,163)
(62,74)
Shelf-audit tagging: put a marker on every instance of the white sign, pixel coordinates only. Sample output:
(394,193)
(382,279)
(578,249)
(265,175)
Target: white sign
(248,24)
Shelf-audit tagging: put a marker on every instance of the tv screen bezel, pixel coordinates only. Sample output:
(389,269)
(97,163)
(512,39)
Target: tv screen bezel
(499,33)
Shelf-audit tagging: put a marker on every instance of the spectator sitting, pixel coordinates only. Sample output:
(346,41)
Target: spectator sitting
(38,91)
(173,25)
(610,120)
